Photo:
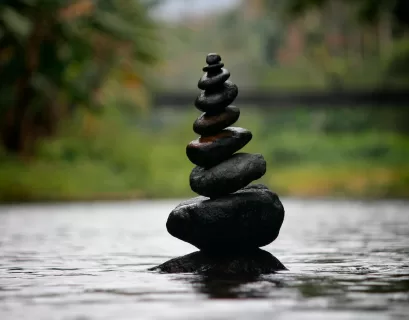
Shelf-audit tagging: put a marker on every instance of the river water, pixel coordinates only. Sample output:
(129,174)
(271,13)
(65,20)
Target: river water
(346,260)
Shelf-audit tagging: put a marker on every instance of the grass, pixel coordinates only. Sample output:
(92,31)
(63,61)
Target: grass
(117,156)
(357,180)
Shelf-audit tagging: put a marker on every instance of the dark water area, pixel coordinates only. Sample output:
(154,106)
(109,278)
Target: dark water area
(346,260)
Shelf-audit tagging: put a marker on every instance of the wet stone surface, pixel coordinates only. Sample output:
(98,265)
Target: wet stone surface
(214,80)
(229,176)
(255,262)
(209,124)
(213,68)
(245,220)
(209,151)
(213,58)
(218,99)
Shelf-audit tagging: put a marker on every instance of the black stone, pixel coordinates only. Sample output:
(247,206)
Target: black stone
(215,101)
(208,124)
(254,263)
(213,67)
(213,58)
(229,176)
(213,81)
(242,221)
(211,150)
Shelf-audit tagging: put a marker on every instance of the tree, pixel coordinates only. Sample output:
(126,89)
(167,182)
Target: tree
(56,54)
(367,10)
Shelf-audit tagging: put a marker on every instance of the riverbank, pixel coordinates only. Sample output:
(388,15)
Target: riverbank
(112,157)
(38,183)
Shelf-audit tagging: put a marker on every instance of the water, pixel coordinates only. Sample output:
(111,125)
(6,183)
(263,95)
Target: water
(346,260)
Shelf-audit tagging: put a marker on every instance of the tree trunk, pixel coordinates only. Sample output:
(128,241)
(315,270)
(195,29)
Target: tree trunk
(18,135)
(385,35)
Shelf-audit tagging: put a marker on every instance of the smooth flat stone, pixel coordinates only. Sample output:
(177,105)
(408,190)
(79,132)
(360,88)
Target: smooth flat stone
(209,151)
(254,263)
(214,101)
(229,176)
(209,81)
(208,124)
(213,67)
(242,221)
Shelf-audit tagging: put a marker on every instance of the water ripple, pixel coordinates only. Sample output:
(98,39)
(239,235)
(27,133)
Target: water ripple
(90,261)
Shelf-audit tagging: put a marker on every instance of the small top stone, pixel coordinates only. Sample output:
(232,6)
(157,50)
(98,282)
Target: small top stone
(213,58)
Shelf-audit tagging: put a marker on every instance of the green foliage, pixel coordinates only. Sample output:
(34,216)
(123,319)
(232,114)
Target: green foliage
(397,69)
(367,10)
(327,48)
(57,55)
(308,153)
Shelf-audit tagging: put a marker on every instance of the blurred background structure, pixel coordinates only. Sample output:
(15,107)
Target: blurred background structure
(96,96)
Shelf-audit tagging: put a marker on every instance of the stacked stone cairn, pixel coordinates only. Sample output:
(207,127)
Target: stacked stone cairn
(231,219)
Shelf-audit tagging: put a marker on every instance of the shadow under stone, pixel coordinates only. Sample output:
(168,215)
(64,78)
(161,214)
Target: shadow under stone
(255,262)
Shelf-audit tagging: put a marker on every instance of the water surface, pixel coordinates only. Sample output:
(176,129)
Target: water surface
(346,260)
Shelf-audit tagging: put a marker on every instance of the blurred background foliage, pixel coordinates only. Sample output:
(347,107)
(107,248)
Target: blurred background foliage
(57,55)
(77,120)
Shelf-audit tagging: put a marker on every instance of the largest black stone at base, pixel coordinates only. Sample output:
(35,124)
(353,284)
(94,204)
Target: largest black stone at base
(242,221)
(253,263)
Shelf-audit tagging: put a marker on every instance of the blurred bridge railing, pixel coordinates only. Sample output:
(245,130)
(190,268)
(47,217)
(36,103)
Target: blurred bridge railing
(279,99)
